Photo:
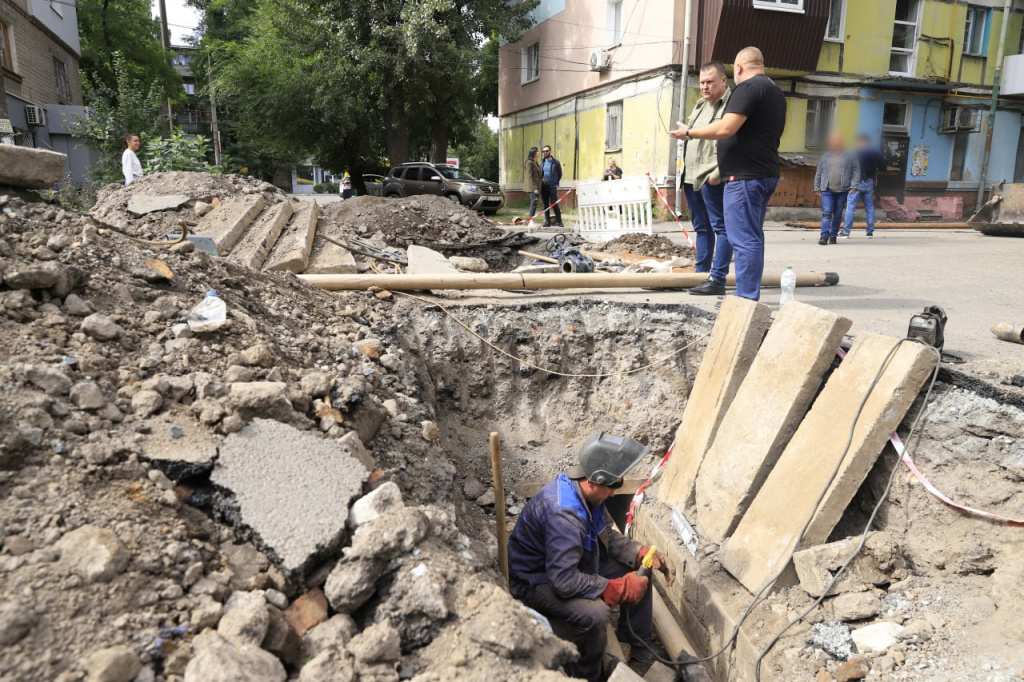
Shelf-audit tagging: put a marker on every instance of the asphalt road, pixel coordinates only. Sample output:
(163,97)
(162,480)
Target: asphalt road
(883,281)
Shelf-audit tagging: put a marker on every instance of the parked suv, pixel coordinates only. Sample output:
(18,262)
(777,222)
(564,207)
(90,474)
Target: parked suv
(411,179)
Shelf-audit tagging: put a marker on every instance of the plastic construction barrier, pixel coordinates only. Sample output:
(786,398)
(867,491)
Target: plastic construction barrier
(614,208)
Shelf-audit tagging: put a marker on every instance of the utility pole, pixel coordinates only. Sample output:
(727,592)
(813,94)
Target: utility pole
(990,128)
(213,114)
(165,41)
(683,81)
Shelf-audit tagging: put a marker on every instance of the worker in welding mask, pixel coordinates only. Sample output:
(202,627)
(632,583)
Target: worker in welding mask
(567,561)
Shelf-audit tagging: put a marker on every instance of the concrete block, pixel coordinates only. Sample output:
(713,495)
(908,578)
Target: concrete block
(816,566)
(253,248)
(292,488)
(623,673)
(30,168)
(291,253)
(769,530)
(764,413)
(226,223)
(424,261)
(659,672)
(737,335)
(330,259)
(141,204)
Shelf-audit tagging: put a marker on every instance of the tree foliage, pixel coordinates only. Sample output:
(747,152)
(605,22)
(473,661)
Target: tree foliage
(479,154)
(179,152)
(130,106)
(125,27)
(356,85)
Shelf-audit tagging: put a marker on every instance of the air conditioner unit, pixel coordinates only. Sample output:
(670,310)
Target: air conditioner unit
(960,119)
(35,116)
(599,60)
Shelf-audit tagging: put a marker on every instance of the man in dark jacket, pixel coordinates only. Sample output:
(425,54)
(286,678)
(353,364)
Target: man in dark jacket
(568,562)
(871,161)
(837,177)
(532,180)
(551,172)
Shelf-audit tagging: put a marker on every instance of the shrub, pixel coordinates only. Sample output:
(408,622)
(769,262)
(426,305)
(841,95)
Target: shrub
(327,187)
(179,152)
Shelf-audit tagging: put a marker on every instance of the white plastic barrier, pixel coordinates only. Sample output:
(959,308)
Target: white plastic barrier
(610,209)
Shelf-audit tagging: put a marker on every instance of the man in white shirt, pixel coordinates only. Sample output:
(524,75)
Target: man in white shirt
(130,166)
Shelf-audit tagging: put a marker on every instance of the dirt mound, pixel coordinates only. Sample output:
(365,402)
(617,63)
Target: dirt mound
(654,246)
(423,220)
(113,202)
(110,424)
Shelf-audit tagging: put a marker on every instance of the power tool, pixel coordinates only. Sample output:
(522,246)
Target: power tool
(929,326)
(647,565)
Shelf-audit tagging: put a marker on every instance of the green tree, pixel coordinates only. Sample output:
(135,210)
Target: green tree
(178,152)
(479,154)
(124,27)
(131,106)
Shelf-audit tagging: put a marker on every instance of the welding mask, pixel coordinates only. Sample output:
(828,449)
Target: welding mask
(606,459)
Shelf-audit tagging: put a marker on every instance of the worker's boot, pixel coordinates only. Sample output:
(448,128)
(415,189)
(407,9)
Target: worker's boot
(709,288)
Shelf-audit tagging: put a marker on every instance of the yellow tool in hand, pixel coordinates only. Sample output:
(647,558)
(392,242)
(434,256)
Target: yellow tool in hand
(648,563)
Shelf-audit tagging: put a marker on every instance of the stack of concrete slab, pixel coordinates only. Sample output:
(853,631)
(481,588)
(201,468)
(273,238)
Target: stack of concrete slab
(771,440)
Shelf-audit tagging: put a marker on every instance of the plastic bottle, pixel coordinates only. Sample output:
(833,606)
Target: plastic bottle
(209,314)
(788,286)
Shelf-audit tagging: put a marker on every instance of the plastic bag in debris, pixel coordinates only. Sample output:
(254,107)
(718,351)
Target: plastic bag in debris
(611,265)
(651,265)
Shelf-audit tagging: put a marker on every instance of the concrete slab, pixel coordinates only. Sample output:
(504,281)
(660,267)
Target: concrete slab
(254,247)
(330,259)
(424,261)
(291,254)
(737,335)
(30,168)
(816,566)
(226,223)
(292,488)
(764,414)
(623,673)
(179,457)
(769,530)
(141,204)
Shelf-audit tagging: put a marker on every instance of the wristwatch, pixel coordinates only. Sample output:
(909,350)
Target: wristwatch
(687,136)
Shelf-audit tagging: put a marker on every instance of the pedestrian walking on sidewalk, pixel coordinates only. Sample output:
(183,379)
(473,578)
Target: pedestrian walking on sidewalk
(871,161)
(532,180)
(551,174)
(702,183)
(748,160)
(836,179)
(130,166)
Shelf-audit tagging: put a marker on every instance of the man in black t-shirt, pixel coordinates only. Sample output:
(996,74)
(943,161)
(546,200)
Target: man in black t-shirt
(748,161)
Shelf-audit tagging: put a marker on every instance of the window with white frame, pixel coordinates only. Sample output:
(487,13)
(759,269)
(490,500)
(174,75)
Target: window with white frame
(820,113)
(531,62)
(614,22)
(896,117)
(836,20)
(974,31)
(780,5)
(190,88)
(904,37)
(613,126)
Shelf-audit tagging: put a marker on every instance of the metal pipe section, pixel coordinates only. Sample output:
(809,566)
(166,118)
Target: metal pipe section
(1007,7)
(684,78)
(596,280)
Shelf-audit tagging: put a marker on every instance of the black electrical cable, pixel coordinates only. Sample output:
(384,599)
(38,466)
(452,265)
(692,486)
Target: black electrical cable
(867,526)
(849,441)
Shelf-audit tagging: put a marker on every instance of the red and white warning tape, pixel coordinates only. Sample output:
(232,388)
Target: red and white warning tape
(527,221)
(675,215)
(638,498)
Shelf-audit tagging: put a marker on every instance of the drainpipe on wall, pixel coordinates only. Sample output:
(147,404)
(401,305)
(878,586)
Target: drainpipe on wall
(683,79)
(992,108)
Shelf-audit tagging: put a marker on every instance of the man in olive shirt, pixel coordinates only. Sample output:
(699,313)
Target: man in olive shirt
(702,183)
(748,159)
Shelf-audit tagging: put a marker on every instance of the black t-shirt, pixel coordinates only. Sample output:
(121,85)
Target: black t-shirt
(753,152)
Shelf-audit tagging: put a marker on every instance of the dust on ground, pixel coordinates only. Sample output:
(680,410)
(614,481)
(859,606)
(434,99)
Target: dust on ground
(654,246)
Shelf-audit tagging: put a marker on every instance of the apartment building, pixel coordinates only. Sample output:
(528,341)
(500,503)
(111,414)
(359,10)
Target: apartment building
(39,52)
(194,115)
(602,79)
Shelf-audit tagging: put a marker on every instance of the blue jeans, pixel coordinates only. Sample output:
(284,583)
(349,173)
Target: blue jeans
(833,208)
(714,254)
(865,193)
(746,204)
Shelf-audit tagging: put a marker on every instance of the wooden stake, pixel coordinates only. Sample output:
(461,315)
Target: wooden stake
(534,256)
(498,473)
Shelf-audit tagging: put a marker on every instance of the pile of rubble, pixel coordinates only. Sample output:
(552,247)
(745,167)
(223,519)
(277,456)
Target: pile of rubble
(119,425)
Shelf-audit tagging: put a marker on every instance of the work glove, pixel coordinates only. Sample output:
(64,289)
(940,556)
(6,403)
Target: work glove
(661,564)
(629,589)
